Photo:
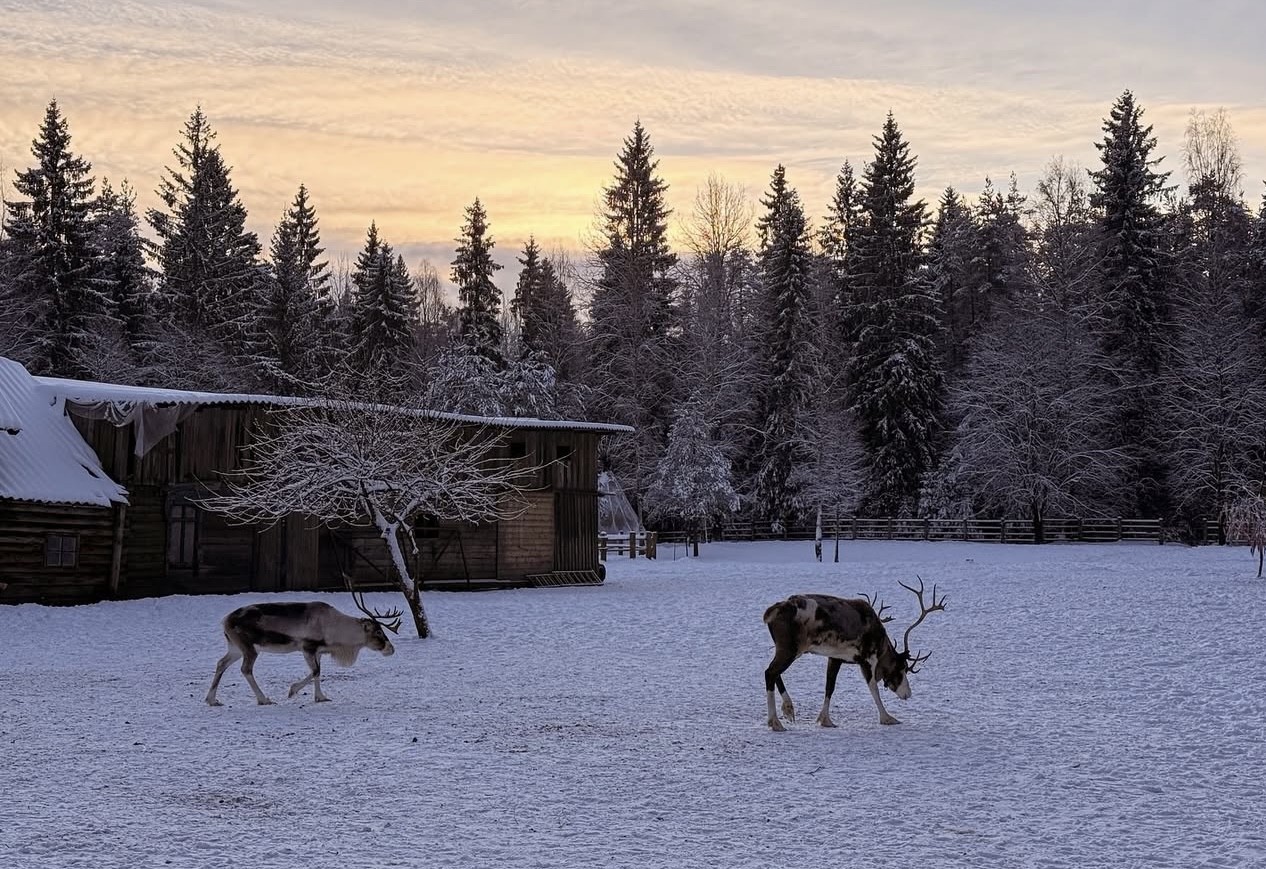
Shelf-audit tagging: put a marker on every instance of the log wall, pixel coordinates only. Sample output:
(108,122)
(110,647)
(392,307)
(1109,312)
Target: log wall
(24,529)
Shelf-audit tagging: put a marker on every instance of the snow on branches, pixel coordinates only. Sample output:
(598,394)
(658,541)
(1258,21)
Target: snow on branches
(343,462)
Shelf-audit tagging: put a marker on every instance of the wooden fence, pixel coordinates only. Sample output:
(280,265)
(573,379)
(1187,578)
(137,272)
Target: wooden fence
(976,530)
(633,544)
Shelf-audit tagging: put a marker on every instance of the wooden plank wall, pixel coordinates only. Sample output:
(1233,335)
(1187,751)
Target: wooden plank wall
(526,542)
(23,531)
(144,572)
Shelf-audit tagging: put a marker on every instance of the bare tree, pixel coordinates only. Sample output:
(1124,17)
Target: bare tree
(436,318)
(1211,155)
(718,365)
(721,219)
(343,462)
(1245,518)
(1031,420)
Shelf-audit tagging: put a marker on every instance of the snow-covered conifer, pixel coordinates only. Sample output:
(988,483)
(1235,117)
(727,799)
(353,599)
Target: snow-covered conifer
(479,299)
(50,250)
(895,373)
(781,455)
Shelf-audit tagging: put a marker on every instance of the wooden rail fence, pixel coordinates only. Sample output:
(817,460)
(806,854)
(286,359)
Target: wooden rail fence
(633,544)
(977,530)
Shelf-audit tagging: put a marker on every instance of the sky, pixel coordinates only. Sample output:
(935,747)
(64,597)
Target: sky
(404,112)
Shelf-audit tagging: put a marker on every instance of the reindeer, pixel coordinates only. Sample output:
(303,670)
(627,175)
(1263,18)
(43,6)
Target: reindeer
(844,630)
(313,628)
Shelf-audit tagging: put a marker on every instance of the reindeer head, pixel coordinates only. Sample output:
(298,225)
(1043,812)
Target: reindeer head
(375,637)
(893,667)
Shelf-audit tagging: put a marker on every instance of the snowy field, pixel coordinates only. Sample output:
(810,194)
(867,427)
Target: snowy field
(1083,706)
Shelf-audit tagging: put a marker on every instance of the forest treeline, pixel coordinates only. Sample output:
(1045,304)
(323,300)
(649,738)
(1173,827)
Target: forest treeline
(1095,346)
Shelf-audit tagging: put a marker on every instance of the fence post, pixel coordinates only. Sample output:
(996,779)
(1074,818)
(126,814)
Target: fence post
(602,548)
(891,522)
(652,544)
(1119,538)
(927,529)
(632,544)
(964,529)
(1002,530)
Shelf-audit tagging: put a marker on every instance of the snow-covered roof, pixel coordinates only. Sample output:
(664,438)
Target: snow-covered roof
(84,391)
(42,456)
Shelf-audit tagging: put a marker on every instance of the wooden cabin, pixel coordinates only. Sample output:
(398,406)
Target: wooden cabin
(169,448)
(60,513)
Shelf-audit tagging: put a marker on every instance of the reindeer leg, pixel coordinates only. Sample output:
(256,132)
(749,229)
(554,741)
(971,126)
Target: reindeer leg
(248,670)
(230,656)
(788,708)
(313,659)
(832,670)
(868,672)
(315,663)
(773,676)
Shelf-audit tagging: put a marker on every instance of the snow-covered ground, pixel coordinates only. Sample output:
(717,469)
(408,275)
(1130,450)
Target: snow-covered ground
(1083,706)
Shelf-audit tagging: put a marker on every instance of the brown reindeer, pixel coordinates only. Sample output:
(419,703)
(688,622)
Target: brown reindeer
(313,628)
(844,631)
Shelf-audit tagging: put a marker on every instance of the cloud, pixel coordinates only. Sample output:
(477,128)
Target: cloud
(403,113)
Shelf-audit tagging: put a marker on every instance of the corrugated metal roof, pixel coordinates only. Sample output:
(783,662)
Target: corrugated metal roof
(87,391)
(46,461)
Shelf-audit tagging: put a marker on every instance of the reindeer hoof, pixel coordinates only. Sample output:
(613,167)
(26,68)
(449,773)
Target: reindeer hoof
(824,721)
(211,701)
(322,699)
(264,701)
(888,719)
(776,725)
(788,710)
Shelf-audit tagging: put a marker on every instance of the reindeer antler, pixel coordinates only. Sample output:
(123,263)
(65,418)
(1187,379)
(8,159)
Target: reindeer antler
(389,619)
(924,609)
(879,609)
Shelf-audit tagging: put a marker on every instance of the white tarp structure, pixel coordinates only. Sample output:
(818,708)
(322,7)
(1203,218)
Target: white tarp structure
(42,456)
(615,513)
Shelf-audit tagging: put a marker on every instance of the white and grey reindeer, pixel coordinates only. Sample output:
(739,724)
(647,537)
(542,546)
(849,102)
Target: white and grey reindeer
(844,631)
(313,628)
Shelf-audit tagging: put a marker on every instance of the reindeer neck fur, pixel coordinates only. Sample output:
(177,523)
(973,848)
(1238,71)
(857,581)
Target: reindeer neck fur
(345,656)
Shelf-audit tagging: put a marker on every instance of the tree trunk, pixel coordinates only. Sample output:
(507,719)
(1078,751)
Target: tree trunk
(404,579)
(694,534)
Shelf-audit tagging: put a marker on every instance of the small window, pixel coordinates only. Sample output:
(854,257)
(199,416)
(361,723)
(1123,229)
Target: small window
(518,449)
(182,528)
(61,550)
(564,453)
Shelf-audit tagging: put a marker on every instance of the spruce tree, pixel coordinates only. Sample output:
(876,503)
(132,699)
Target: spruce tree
(385,309)
(632,315)
(120,270)
(842,220)
(294,321)
(212,280)
(1132,292)
(781,459)
(50,250)
(547,316)
(895,374)
(479,300)
(528,293)
(1128,188)
(953,275)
